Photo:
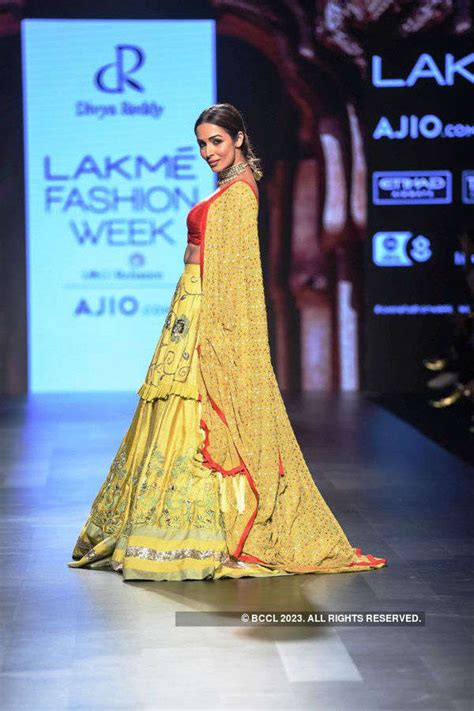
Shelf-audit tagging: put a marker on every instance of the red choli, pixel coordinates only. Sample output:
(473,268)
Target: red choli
(193,222)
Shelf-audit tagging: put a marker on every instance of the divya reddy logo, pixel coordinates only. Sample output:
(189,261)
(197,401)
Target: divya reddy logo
(113,78)
(412,187)
(118,79)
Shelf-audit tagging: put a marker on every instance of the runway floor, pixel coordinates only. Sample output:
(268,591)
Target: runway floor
(77,639)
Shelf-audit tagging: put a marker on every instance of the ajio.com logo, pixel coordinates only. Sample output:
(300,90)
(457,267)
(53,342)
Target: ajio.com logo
(116,77)
(428,126)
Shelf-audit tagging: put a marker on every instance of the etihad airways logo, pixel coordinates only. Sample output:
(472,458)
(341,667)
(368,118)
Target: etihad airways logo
(412,187)
(425,67)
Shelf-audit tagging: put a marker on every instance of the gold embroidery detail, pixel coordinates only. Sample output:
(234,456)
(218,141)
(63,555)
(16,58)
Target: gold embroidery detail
(151,554)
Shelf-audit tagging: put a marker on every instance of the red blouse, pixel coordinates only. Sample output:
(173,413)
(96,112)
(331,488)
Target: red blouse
(193,222)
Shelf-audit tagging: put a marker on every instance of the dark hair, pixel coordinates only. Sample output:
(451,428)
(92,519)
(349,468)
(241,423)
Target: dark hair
(230,119)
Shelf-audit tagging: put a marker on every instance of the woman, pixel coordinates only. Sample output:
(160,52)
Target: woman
(209,481)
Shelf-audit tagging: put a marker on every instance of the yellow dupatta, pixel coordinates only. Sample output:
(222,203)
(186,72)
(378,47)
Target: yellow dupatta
(272,510)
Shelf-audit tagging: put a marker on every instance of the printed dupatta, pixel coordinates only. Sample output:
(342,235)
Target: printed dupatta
(272,510)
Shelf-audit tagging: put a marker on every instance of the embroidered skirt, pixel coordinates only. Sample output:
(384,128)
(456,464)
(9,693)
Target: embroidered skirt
(157,515)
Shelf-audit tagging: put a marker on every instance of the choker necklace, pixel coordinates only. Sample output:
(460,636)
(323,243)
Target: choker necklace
(230,172)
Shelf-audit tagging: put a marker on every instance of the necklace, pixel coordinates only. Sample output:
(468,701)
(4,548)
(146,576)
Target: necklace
(230,172)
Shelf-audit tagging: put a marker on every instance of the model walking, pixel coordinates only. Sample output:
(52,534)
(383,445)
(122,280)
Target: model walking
(209,480)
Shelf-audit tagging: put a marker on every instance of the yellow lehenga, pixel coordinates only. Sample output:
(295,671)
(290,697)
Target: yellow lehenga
(209,480)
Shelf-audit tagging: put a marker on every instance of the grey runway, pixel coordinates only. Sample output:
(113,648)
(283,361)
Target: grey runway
(77,639)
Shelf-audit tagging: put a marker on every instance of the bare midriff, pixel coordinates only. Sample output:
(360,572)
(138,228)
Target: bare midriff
(192,253)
